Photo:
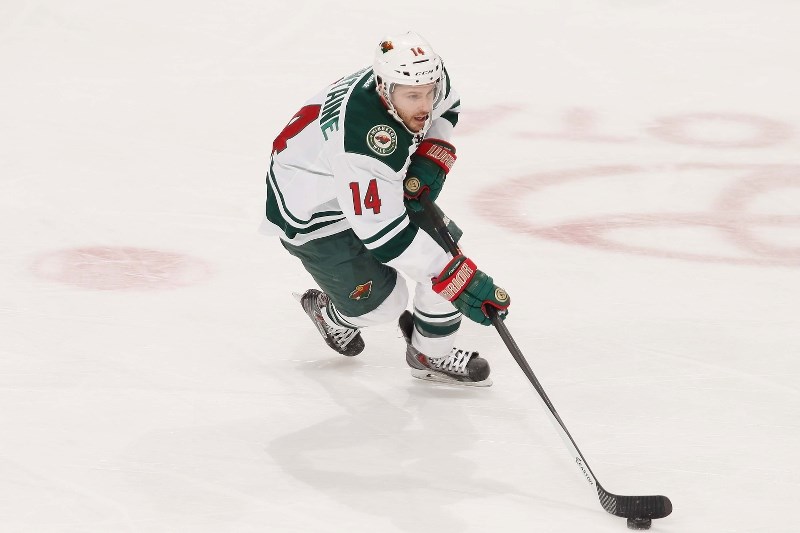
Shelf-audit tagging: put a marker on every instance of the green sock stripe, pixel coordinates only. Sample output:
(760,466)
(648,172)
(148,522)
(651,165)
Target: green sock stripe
(438,328)
(450,315)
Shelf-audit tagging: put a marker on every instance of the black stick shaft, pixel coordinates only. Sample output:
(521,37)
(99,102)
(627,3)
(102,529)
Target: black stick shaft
(497,322)
(624,506)
(438,224)
(499,325)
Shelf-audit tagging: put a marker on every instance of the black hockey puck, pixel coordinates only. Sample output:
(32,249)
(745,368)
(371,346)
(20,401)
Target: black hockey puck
(639,523)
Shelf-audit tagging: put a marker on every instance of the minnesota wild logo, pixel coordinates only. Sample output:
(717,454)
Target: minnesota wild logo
(382,140)
(362,291)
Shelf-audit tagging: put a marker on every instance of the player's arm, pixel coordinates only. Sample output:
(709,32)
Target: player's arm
(370,195)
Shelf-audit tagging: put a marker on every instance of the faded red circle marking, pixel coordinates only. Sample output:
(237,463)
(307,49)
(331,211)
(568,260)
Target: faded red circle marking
(109,268)
(728,216)
(762,131)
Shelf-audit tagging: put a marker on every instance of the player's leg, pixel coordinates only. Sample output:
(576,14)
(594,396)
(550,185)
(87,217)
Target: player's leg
(357,290)
(430,337)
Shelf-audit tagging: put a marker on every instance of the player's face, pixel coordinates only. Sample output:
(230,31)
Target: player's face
(414,104)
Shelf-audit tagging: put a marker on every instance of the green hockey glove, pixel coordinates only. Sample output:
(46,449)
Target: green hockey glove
(429,166)
(471,290)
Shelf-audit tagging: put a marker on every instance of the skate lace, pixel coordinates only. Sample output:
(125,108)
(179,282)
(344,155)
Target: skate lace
(456,361)
(343,336)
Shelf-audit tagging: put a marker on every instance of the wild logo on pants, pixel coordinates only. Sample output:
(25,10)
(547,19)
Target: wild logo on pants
(362,291)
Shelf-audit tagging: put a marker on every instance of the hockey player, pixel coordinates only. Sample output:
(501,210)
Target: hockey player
(343,192)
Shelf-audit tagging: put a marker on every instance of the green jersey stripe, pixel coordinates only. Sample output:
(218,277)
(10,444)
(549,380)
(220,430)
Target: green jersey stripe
(274,215)
(396,222)
(450,117)
(298,223)
(395,246)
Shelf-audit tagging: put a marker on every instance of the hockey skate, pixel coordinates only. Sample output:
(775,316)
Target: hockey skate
(459,367)
(346,341)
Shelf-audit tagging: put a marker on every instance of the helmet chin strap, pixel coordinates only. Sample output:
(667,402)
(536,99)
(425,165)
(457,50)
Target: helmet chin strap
(387,101)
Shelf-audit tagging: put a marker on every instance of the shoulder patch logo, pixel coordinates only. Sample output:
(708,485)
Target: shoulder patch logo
(382,140)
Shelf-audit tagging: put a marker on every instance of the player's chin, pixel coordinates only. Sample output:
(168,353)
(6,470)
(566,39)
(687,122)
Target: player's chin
(417,123)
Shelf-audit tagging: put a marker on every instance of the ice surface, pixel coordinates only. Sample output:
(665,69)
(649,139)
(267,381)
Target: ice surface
(628,171)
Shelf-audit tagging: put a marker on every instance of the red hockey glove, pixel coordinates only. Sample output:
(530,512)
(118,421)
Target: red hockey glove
(429,166)
(471,290)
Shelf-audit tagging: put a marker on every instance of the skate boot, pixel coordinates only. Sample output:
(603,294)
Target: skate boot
(459,367)
(346,341)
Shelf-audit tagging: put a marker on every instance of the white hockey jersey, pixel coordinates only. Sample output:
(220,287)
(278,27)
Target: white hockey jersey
(339,164)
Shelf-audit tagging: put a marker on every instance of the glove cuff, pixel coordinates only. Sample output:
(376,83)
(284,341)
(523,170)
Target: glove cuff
(440,152)
(455,277)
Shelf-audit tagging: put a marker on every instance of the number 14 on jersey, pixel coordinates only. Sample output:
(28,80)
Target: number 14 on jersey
(371,198)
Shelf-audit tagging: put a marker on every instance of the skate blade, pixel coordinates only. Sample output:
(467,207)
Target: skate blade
(438,377)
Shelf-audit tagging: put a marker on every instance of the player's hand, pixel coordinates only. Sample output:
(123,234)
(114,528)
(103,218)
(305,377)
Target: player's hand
(471,290)
(429,166)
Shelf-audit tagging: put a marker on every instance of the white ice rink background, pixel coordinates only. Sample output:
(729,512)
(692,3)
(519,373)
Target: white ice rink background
(628,171)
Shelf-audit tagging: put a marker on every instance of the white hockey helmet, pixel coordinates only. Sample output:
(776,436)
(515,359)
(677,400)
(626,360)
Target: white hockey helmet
(406,59)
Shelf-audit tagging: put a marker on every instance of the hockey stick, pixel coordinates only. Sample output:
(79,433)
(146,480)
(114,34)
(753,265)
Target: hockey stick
(639,510)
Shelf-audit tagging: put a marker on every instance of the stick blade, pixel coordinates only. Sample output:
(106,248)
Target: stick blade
(634,506)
